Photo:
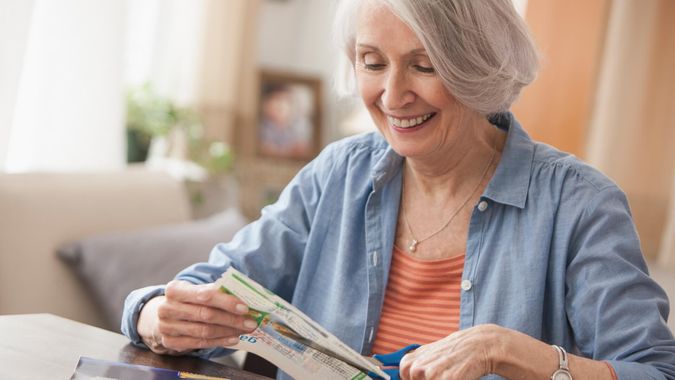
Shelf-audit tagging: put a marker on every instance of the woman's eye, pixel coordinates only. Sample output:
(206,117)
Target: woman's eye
(371,61)
(373,66)
(425,69)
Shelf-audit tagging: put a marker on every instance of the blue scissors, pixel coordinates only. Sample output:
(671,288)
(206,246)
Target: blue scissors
(390,362)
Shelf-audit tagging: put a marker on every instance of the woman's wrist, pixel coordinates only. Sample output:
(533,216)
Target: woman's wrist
(520,356)
(147,320)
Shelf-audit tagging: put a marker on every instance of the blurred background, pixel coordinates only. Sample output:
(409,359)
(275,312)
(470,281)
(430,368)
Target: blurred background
(122,117)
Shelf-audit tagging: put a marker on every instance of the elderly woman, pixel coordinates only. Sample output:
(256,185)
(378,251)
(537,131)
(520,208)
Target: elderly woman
(450,227)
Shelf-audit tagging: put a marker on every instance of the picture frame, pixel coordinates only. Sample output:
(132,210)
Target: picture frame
(289,116)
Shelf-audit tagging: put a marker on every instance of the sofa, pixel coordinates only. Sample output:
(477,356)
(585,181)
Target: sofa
(74,244)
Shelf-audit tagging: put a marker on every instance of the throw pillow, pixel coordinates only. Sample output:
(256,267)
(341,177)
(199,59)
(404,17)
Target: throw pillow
(112,265)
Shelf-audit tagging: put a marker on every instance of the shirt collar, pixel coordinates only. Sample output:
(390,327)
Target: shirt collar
(386,167)
(511,181)
(509,184)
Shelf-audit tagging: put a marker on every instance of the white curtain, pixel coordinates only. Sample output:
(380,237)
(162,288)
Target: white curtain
(15,18)
(164,46)
(68,110)
(66,65)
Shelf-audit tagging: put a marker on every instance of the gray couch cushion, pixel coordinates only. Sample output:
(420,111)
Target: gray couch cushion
(112,265)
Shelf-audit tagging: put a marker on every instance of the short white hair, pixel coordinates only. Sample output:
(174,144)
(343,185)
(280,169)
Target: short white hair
(481,49)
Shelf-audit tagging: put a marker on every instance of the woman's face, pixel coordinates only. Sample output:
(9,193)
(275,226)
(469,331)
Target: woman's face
(406,99)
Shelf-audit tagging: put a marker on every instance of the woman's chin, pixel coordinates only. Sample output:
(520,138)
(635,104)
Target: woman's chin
(407,150)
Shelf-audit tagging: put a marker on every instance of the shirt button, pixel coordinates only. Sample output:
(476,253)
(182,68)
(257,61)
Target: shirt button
(482,206)
(466,285)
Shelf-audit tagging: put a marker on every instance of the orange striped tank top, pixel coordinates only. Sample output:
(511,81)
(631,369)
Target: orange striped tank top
(421,302)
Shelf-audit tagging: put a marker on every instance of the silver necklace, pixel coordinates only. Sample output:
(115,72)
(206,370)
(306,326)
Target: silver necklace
(414,242)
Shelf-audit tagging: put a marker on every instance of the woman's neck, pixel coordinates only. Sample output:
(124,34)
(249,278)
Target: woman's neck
(454,170)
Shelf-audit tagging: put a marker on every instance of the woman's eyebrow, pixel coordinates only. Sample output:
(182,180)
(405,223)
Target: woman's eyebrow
(417,51)
(366,46)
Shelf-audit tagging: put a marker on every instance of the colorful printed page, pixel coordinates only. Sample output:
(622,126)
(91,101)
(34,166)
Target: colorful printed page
(291,340)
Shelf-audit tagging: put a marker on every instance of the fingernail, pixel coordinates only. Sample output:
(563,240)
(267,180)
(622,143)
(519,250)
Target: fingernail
(241,308)
(250,324)
(231,341)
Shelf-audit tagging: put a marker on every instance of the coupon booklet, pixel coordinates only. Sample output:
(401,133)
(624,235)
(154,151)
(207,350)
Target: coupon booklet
(292,341)
(98,369)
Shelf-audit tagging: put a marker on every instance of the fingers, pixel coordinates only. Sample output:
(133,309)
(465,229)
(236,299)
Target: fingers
(457,356)
(196,330)
(175,311)
(199,316)
(207,294)
(431,367)
(177,344)
(180,336)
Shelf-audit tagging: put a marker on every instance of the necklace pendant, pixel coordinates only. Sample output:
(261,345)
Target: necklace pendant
(413,246)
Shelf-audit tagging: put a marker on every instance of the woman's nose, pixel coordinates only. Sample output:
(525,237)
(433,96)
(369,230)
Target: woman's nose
(396,93)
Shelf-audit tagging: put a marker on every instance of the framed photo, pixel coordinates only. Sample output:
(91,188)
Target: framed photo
(289,116)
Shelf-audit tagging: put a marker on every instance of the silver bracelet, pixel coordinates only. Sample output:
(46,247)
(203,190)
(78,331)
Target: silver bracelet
(563,371)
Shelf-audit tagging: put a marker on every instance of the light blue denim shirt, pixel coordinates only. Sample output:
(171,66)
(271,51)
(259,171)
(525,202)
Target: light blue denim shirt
(554,254)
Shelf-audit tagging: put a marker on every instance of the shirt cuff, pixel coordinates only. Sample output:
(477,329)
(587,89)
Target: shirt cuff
(634,370)
(611,370)
(132,309)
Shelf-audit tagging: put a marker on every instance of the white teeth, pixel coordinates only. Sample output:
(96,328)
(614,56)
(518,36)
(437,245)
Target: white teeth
(408,123)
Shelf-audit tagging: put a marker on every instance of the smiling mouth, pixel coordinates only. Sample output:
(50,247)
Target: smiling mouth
(410,122)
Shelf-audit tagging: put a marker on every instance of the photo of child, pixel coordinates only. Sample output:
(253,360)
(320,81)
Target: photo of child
(288,116)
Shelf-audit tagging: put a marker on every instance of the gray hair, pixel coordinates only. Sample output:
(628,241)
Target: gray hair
(481,49)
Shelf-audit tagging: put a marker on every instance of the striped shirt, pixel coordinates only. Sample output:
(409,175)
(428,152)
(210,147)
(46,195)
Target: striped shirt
(421,303)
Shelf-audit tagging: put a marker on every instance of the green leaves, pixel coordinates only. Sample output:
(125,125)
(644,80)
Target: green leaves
(152,115)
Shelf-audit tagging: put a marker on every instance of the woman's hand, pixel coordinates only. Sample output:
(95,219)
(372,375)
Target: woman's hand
(467,354)
(491,349)
(192,317)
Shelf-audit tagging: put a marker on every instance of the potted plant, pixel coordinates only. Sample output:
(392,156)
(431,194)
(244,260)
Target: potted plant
(169,137)
(157,123)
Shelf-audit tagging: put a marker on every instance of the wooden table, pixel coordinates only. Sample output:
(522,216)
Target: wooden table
(44,346)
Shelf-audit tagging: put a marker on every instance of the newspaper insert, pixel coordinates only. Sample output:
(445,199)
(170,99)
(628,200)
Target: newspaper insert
(292,341)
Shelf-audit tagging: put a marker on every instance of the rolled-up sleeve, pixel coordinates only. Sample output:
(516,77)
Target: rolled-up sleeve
(616,311)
